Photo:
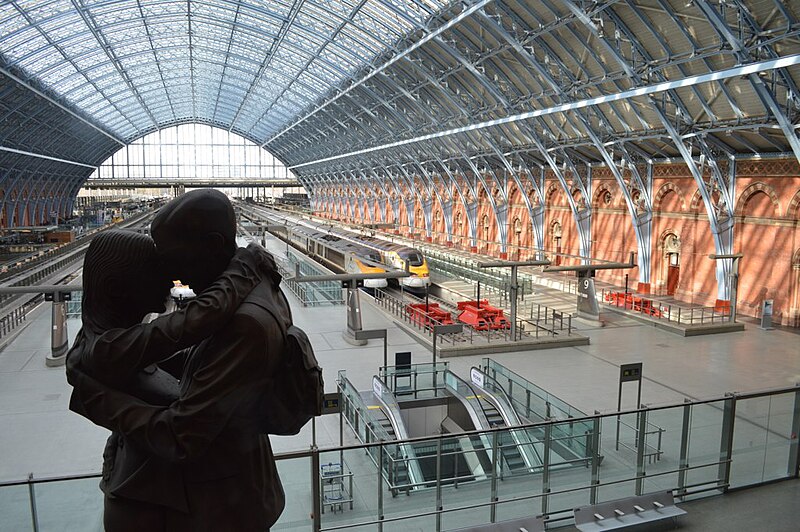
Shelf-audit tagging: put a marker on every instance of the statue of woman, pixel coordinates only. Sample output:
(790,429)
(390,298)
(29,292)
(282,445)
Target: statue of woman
(122,284)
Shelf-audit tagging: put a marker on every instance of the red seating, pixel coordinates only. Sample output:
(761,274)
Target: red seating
(428,315)
(635,303)
(482,317)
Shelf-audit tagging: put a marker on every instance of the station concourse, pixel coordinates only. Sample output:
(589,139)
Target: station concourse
(51,442)
(546,251)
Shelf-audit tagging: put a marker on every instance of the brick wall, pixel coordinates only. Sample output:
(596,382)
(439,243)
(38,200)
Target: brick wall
(767,231)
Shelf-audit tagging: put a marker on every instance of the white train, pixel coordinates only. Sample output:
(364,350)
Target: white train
(346,251)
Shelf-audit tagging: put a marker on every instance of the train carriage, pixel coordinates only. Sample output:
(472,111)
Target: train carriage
(350,252)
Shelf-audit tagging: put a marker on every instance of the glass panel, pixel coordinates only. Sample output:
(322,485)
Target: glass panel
(704,444)
(570,469)
(171,153)
(779,435)
(15,507)
(70,505)
(349,488)
(296,476)
(750,441)
(762,439)
(466,480)
(521,455)
(411,483)
(618,468)
(662,449)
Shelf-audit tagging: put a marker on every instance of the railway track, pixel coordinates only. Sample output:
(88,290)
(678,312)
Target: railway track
(58,268)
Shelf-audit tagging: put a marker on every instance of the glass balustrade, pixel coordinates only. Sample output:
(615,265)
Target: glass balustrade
(706,447)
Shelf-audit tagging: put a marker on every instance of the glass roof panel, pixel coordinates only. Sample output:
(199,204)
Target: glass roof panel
(254,54)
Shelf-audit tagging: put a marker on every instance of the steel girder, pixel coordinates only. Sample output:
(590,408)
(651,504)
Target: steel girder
(311,46)
(720,212)
(641,212)
(626,58)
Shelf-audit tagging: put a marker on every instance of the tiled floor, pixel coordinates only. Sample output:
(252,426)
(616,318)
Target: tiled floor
(39,435)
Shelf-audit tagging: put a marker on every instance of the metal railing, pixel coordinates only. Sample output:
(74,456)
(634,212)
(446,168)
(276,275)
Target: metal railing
(535,403)
(316,294)
(651,451)
(658,310)
(423,380)
(544,323)
(18,316)
(712,445)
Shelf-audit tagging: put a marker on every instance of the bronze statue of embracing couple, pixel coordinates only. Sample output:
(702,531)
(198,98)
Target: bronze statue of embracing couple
(183,394)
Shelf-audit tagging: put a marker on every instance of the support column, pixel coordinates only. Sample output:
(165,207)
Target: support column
(59,341)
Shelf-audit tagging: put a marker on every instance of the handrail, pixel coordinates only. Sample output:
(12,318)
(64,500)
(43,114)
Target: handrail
(392,410)
(468,397)
(714,468)
(499,398)
(563,410)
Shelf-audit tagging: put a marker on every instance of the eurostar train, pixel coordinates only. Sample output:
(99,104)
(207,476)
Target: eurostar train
(346,251)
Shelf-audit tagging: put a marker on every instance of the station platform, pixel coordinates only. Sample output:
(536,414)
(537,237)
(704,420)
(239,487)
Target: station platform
(40,436)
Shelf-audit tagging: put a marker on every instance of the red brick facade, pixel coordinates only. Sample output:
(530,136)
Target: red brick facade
(767,231)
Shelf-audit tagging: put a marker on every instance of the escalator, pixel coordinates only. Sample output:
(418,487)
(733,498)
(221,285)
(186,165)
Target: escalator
(413,466)
(509,449)
(395,465)
(489,407)
(402,466)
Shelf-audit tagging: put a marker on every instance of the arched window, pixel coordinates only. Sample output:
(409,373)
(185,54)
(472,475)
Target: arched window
(192,151)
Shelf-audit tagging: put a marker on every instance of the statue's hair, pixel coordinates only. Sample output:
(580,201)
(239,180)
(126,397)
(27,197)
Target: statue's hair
(115,259)
(195,214)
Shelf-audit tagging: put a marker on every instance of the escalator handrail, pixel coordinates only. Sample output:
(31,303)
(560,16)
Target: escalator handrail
(392,411)
(480,420)
(500,399)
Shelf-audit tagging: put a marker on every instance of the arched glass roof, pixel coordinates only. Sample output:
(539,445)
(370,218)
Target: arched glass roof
(247,66)
(367,91)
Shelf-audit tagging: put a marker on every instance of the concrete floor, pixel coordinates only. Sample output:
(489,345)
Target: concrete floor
(39,435)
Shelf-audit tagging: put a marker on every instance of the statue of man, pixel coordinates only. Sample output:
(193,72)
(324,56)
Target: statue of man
(211,432)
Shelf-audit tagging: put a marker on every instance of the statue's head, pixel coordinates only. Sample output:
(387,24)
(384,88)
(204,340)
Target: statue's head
(121,280)
(195,235)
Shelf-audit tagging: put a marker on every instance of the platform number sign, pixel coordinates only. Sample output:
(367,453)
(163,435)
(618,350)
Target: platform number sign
(587,297)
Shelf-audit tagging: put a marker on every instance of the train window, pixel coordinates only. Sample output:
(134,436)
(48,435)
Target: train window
(335,256)
(414,258)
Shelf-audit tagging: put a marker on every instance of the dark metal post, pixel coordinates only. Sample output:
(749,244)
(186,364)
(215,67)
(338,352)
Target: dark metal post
(495,463)
(32,497)
(726,442)
(595,456)
(683,465)
(794,448)
(380,486)
(512,294)
(625,300)
(427,306)
(548,435)
(315,490)
(438,484)
(641,441)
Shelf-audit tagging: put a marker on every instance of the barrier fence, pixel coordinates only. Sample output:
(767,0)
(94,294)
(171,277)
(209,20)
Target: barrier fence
(708,447)
(658,310)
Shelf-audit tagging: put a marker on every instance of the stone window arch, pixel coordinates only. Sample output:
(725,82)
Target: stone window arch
(751,193)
